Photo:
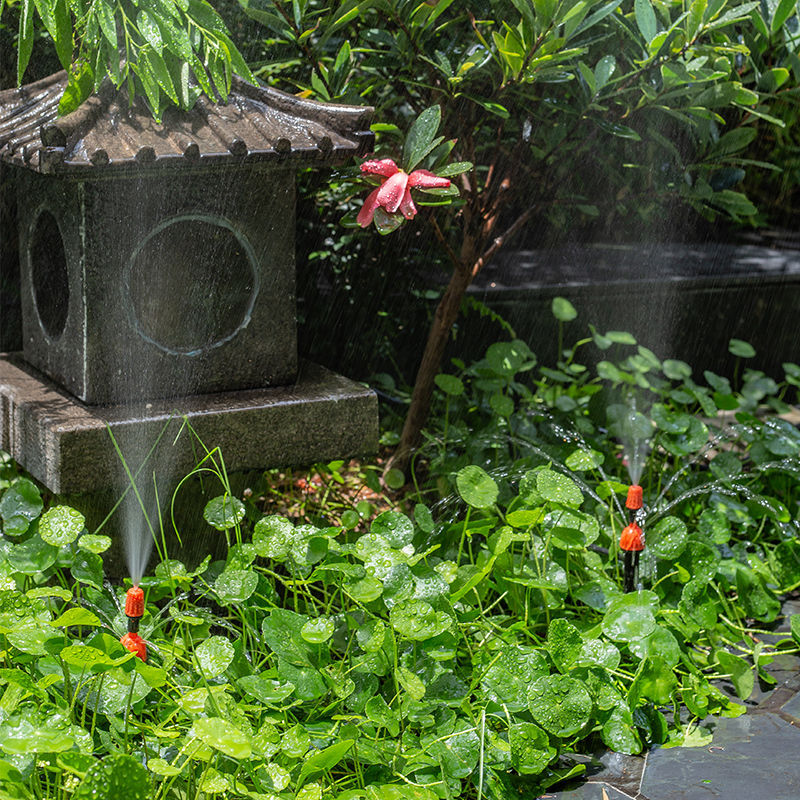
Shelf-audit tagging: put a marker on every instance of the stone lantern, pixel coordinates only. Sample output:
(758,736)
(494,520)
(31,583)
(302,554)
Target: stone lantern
(156,268)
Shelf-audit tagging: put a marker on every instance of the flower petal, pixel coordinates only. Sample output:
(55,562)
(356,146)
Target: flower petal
(367,212)
(383,166)
(427,180)
(390,194)
(407,207)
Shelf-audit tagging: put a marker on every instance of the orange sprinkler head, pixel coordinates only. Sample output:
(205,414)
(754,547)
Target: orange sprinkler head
(134,602)
(631,538)
(635,499)
(135,644)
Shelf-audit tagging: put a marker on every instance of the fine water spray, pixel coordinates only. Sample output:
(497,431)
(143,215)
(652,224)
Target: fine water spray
(134,610)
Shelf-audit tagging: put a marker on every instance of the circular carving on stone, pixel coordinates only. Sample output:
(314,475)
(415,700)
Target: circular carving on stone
(49,276)
(191,284)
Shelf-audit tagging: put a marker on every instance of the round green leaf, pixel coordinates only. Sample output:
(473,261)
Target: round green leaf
(114,777)
(235,585)
(742,349)
(450,384)
(94,543)
(530,748)
(507,358)
(21,504)
(265,689)
(676,370)
(619,731)
(683,444)
(560,704)
(667,538)
(273,537)
(394,527)
(702,560)
(214,655)
(502,405)
(317,631)
(668,420)
(77,616)
(223,736)
(476,487)
(31,556)
(418,620)
(620,337)
(563,310)
(224,512)
(424,518)
(654,681)
(61,525)
(571,529)
(395,478)
(558,488)
(25,738)
(661,642)
(158,766)
(583,459)
(564,644)
(628,618)
(598,652)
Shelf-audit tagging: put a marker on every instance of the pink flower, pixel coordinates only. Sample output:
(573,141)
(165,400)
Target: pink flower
(394,194)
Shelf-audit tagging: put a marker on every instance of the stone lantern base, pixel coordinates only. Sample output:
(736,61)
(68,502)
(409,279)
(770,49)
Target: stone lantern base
(66,444)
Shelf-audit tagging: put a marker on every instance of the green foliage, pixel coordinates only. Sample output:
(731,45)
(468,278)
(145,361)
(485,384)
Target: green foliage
(166,51)
(674,94)
(430,656)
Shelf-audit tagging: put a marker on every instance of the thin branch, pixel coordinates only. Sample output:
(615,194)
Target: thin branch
(501,240)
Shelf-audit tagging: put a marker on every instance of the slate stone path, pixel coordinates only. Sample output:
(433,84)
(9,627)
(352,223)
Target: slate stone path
(753,757)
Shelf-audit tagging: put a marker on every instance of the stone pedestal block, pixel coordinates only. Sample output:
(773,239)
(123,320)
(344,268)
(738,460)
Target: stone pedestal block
(66,444)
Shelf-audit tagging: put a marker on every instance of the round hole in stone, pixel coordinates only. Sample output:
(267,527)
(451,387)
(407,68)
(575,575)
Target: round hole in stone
(191,284)
(49,275)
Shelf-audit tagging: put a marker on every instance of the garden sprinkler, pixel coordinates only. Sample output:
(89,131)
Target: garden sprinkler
(134,609)
(631,542)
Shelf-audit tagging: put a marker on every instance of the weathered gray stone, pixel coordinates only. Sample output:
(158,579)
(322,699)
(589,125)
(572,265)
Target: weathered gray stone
(141,288)
(66,444)
(10,315)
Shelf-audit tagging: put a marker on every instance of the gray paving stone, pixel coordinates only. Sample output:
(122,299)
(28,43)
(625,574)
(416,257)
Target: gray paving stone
(792,707)
(617,769)
(589,791)
(752,757)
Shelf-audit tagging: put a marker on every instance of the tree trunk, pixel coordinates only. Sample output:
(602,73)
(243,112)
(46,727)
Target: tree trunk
(446,315)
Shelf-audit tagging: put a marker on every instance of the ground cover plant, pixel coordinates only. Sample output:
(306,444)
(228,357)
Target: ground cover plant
(459,647)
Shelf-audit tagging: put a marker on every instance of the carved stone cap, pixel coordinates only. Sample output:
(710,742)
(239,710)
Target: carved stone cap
(106,134)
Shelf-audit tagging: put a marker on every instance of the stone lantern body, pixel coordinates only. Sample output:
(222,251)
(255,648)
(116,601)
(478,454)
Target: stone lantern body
(156,261)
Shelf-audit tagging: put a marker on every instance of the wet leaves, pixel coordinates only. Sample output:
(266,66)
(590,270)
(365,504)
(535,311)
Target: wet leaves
(61,525)
(531,751)
(20,505)
(235,585)
(667,537)
(560,704)
(476,487)
(223,736)
(224,512)
(114,777)
(630,617)
(418,620)
(214,655)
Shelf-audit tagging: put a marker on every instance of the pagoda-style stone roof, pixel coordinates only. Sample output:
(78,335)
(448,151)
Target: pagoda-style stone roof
(257,124)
